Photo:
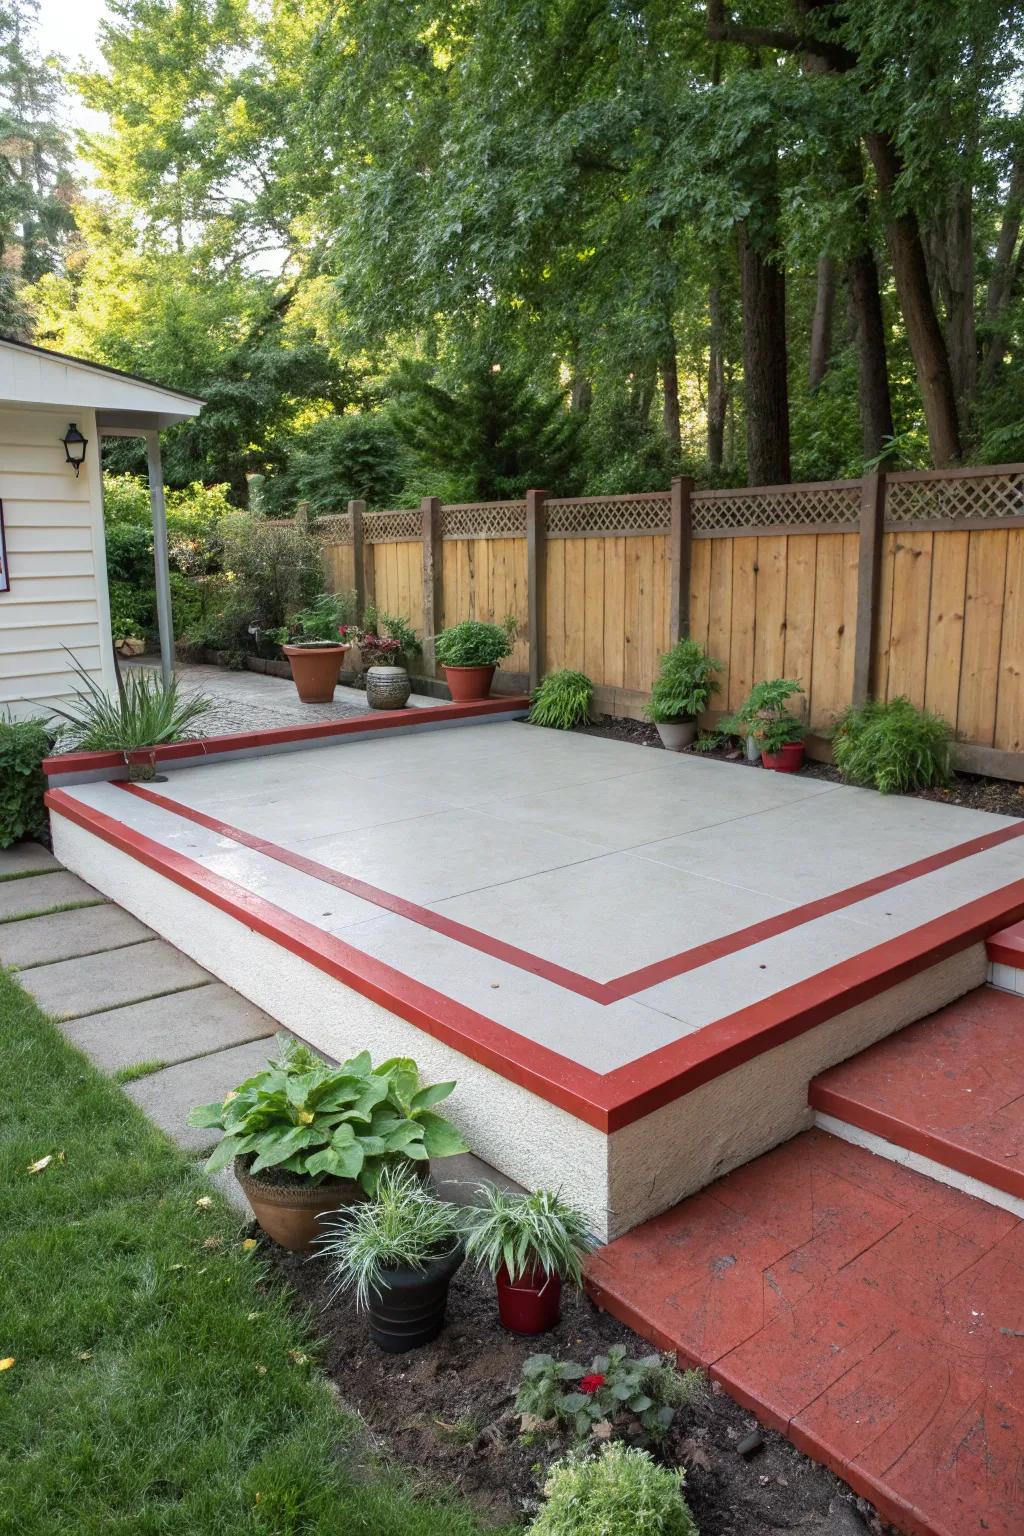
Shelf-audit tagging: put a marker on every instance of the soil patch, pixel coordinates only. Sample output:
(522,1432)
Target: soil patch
(977,794)
(448,1413)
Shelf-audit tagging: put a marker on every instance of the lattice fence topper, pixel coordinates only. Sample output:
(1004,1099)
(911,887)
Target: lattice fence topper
(392,527)
(968,496)
(787,506)
(336,529)
(484,520)
(568,515)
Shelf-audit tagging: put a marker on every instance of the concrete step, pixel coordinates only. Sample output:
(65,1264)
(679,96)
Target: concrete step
(948,1090)
(874,1316)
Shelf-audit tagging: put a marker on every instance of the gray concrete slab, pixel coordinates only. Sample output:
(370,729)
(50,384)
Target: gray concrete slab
(71,988)
(24,857)
(167,1096)
(37,893)
(171,1029)
(62,935)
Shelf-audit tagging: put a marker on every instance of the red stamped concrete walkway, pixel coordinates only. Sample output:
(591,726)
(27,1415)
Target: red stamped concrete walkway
(950,1088)
(873,1315)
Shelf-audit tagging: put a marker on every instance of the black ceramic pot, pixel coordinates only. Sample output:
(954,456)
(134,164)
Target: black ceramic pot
(408,1310)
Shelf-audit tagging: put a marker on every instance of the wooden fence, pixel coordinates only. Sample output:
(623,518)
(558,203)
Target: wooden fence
(910,583)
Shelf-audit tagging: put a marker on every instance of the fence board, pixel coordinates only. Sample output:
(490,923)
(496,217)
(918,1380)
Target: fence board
(946,623)
(744,600)
(770,608)
(801,580)
(1009,733)
(593,618)
(615,611)
(720,613)
(983,623)
(700,591)
(911,602)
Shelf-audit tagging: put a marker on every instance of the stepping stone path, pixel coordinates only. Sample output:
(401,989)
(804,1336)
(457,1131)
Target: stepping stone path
(126,998)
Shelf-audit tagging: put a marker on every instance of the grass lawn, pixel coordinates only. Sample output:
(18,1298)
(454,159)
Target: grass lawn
(155,1387)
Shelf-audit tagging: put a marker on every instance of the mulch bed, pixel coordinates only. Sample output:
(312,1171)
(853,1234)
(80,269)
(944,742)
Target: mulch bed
(978,794)
(448,1413)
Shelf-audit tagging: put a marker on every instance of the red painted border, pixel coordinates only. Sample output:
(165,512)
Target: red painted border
(832,1101)
(1007,948)
(281,735)
(614,1099)
(585,986)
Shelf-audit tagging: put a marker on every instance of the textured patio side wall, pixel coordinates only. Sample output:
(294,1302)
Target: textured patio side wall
(909,584)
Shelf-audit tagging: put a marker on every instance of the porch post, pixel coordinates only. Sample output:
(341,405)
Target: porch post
(160,567)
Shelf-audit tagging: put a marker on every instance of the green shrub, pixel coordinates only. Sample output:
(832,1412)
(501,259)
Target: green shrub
(763,715)
(378,626)
(613,1389)
(684,684)
(621,1492)
(325,622)
(894,748)
(132,612)
(23,745)
(337,459)
(563,700)
(271,573)
(474,643)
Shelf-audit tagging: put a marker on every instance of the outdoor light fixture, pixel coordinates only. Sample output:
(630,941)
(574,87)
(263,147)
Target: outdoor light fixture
(74,447)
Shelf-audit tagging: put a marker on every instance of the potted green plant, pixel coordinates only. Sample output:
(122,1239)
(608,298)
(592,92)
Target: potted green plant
(316,643)
(469,652)
(398,1253)
(387,645)
(776,733)
(684,684)
(530,1243)
(142,715)
(306,1136)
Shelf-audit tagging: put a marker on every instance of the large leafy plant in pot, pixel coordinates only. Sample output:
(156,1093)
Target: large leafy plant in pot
(307,1137)
(316,643)
(469,652)
(530,1243)
(398,1253)
(764,719)
(682,690)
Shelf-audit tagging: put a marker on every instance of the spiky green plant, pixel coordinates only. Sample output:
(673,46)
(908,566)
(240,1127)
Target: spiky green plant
(562,701)
(143,713)
(527,1232)
(684,684)
(894,747)
(403,1226)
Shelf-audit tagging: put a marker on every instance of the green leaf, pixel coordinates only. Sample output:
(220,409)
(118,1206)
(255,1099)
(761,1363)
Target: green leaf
(639,1404)
(343,1162)
(277,1145)
(427,1097)
(440,1137)
(223,1153)
(207,1116)
(573,1402)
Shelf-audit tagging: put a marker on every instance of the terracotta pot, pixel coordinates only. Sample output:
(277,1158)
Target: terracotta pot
(288,1212)
(315,669)
(788,759)
(408,1310)
(677,734)
(533,1304)
(141,765)
(468,683)
(387,687)
(131,645)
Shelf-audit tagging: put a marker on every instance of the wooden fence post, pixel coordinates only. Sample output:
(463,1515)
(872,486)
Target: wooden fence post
(536,536)
(680,556)
(362,560)
(869,572)
(430,517)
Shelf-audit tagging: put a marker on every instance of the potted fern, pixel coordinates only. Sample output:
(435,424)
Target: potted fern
(764,719)
(398,1253)
(685,683)
(469,652)
(530,1243)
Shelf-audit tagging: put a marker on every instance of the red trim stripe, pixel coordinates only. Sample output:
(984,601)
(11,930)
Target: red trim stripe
(611,1100)
(282,735)
(597,991)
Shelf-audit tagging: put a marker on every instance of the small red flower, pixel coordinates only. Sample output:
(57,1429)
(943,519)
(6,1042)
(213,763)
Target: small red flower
(592,1383)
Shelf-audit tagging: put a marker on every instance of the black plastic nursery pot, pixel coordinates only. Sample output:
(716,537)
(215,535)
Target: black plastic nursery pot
(408,1310)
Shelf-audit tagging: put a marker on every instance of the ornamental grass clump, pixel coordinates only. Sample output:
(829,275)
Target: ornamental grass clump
(684,685)
(620,1492)
(143,713)
(895,748)
(403,1227)
(562,701)
(527,1233)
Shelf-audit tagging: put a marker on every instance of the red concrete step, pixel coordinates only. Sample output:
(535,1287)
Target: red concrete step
(873,1315)
(1007,946)
(950,1088)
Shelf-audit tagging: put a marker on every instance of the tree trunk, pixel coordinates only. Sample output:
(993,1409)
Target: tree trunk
(763,286)
(581,393)
(717,393)
(1000,283)
(821,322)
(670,391)
(876,424)
(924,334)
(951,251)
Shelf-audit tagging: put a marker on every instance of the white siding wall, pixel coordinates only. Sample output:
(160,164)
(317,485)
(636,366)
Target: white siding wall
(56,558)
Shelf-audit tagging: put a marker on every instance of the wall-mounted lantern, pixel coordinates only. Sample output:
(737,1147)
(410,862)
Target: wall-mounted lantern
(74,447)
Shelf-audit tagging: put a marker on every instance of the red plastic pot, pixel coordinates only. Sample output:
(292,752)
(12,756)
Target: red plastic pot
(533,1304)
(467,683)
(788,759)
